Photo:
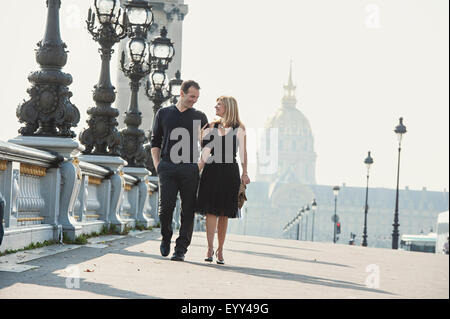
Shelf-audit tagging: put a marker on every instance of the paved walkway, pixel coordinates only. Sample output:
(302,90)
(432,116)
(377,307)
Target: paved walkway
(256,268)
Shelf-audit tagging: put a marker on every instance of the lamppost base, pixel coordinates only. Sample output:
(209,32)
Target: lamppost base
(115,163)
(139,172)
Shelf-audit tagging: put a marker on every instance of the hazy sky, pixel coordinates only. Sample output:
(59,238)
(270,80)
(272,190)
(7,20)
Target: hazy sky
(358,66)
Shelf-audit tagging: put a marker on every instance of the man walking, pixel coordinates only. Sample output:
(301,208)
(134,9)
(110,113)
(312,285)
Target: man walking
(175,152)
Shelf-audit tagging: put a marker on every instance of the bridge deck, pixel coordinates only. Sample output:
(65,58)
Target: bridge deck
(131,267)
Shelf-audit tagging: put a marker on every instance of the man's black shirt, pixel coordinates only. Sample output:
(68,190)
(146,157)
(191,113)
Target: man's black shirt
(180,129)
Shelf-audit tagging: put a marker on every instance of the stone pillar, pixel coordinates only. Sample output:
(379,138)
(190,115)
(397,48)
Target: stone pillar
(153,200)
(11,192)
(115,186)
(71,183)
(141,195)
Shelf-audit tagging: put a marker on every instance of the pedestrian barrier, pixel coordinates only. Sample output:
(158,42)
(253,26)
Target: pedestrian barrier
(44,194)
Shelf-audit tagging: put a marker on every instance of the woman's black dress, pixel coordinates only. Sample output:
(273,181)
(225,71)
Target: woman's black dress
(220,179)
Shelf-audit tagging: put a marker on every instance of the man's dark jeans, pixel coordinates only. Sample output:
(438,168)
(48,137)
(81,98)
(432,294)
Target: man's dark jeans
(184,178)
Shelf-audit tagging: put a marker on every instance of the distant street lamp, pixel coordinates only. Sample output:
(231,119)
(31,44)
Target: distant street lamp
(299,228)
(368,161)
(307,213)
(314,208)
(336,192)
(399,130)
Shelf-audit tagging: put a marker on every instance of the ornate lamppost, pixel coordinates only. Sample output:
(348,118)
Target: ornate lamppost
(175,87)
(292,222)
(49,111)
(140,18)
(161,53)
(307,210)
(159,92)
(102,136)
(313,208)
(335,218)
(400,129)
(368,161)
(299,227)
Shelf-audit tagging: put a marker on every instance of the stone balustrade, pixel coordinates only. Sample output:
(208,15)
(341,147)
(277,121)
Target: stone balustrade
(47,195)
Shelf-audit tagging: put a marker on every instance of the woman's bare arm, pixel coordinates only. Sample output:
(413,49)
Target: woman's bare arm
(242,137)
(206,151)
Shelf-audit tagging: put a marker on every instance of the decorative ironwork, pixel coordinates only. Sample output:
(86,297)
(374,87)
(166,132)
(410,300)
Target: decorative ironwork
(136,69)
(133,137)
(49,111)
(161,54)
(158,94)
(175,10)
(102,136)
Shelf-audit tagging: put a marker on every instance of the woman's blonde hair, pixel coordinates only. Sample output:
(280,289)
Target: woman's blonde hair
(231,116)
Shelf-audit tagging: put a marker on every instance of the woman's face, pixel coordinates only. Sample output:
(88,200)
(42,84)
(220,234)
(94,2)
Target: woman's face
(220,109)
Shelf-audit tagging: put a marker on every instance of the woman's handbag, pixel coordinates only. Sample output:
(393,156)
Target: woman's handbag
(241,195)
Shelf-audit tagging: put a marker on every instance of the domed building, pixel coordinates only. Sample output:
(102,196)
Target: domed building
(285,182)
(291,153)
(286,164)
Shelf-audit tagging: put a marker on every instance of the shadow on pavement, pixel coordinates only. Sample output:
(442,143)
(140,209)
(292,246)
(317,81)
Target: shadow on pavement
(278,256)
(268,245)
(45,276)
(281,275)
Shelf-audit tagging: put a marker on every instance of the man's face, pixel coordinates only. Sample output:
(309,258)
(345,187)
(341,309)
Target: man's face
(190,98)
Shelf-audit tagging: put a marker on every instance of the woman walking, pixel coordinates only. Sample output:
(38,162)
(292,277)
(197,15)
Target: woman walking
(220,179)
